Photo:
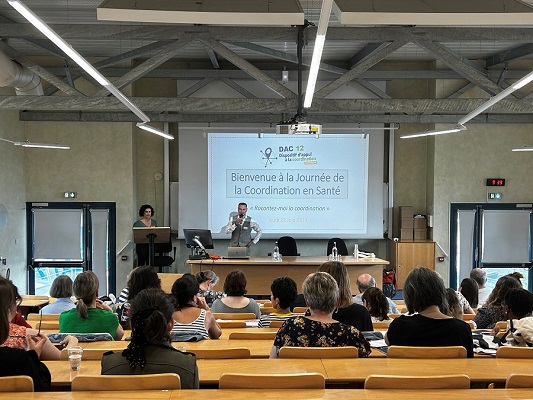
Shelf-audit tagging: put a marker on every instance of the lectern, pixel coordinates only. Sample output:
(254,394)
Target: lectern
(151,236)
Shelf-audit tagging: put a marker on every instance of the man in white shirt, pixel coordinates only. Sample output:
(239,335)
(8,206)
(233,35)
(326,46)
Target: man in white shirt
(366,281)
(480,276)
(241,226)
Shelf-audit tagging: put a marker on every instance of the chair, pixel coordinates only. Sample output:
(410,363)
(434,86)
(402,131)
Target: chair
(312,380)
(276,324)
(318,352)
(519,381)
(17,383)
(265,303)
(267,310)
(514,352)
(166,381)
(231,324)
(160,259)
(49,325)
(381,325)
(287,246)
(231,352)
(233,316)
(417,382)
(393,316)
(167,280)
(341,247)
(468,317)
(471,324)
(252,335)
(426,352)
(34,317)
(299,310)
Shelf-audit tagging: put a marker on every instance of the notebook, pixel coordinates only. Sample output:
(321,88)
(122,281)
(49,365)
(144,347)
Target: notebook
(237,252)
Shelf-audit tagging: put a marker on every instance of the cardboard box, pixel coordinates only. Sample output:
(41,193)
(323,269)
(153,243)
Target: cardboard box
(406,234)
(407,223)
(407,212)
(420,223)
(420,234)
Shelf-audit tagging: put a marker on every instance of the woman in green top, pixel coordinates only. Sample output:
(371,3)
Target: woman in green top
(91,315)
(146,212)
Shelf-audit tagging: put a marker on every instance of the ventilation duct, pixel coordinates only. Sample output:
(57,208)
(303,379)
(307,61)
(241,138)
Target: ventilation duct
(12,74)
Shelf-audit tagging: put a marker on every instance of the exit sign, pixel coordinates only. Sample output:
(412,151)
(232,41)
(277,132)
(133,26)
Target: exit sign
(495,182)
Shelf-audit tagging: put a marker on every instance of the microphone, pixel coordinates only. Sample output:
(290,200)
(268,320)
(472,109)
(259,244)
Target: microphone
(196,240)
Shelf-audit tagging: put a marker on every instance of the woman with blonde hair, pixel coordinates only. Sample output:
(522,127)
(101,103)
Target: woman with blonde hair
(347,311)
(91,314)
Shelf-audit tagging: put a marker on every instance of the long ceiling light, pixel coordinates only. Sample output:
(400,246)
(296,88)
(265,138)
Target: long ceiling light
(148,128)
(457,128)
(76,57)
(323,22)
(38,145)
(524,148)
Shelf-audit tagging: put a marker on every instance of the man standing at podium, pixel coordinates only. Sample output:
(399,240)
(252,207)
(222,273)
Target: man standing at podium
(240,226)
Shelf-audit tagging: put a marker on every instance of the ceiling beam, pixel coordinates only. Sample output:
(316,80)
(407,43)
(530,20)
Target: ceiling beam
(194,88)
(509,55)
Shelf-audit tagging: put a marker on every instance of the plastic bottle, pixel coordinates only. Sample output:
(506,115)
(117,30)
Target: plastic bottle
(275,253)
(356,252)
(335,252)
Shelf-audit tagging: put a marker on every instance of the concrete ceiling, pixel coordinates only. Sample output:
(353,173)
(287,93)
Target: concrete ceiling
(486,58)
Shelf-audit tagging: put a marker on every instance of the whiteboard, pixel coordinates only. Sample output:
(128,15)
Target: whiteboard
(505,236)
(58,235)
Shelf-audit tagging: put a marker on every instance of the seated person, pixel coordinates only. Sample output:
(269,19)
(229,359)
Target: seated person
(319,329)
(470,290)
(208,280)
(139,279)
(18,335)
(18,361)
(191,313)
(453,307)
(376,303)
(492,311)
(518,311)
(365,281)
(347,311)
(283,291)
(91,314)
(150,350)
(61,289)
(236,302)
(424,293)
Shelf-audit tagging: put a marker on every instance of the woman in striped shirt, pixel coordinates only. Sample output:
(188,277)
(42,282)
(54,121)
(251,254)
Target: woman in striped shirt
(192,315)
(283,293)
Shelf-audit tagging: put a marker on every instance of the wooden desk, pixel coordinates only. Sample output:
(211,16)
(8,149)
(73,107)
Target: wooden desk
(32,304)
(261,271)
(209,370)
(271,394)
(258,348)
(480,369)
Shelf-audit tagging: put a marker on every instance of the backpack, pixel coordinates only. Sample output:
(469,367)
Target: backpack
(389,283)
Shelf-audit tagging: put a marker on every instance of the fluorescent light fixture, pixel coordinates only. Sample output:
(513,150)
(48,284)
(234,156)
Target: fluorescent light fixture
(434,132)
(524,148)
(38,145)
(323,22)
(523,82)
(142,125)
(76,57)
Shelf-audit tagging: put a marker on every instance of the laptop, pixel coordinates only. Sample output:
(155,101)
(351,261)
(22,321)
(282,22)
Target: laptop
(238,252)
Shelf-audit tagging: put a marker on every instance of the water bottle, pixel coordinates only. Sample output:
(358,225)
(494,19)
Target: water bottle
(356,252)
(275,253)
(335,252)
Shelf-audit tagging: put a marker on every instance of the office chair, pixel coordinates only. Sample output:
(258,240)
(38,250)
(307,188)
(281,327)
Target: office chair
(341,246)
(160,259)
(287,246)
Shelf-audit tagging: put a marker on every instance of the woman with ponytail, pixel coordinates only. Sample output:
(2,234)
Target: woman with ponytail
(91,314)
(192,315)
(150,350)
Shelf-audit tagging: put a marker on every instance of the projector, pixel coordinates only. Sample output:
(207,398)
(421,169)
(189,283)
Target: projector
(299,128)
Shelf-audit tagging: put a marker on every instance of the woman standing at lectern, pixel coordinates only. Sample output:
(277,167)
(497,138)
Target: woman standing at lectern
(146,212)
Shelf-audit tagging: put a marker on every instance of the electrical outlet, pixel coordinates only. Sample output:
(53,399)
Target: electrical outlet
(440,259)
(4,261)
(124,258)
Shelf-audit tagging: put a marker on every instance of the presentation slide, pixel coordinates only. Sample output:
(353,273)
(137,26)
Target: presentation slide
(298,185)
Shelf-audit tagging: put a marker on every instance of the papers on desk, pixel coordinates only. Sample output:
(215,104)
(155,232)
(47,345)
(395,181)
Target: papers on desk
(376,340)
(485,343)
(252,323)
